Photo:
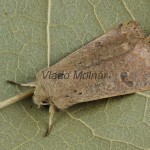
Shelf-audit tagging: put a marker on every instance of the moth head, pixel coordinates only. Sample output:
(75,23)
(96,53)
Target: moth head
(40,97)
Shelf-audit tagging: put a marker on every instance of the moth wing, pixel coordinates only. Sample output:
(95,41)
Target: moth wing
(128,73)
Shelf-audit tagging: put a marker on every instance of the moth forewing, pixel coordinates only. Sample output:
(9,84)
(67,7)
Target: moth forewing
(125,74)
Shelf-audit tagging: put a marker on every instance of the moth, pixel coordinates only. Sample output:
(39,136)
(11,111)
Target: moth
(116,63)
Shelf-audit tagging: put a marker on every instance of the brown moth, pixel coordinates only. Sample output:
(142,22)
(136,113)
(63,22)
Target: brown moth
(117,63)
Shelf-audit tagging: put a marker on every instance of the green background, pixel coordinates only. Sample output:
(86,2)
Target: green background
(113,124)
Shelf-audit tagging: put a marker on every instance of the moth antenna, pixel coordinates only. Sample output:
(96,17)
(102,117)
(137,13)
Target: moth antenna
(16,98)
(31,84)
(51,115)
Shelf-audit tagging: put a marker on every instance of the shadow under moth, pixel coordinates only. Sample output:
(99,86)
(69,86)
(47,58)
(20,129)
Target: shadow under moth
(116,63)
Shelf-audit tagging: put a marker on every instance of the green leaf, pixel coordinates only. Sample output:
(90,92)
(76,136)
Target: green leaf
(117,123)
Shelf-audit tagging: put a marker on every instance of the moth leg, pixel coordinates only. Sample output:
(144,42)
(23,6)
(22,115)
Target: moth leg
(51,114)
(31,84)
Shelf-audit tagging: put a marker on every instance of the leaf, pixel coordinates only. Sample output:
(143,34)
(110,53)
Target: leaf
(116,123)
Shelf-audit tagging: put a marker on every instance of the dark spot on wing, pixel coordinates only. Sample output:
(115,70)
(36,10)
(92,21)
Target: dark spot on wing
(124,78)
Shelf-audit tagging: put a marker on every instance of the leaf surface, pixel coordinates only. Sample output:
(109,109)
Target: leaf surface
(115,123)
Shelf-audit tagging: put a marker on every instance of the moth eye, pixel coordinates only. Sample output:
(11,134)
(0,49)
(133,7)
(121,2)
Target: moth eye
(80,93)
(44,102)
